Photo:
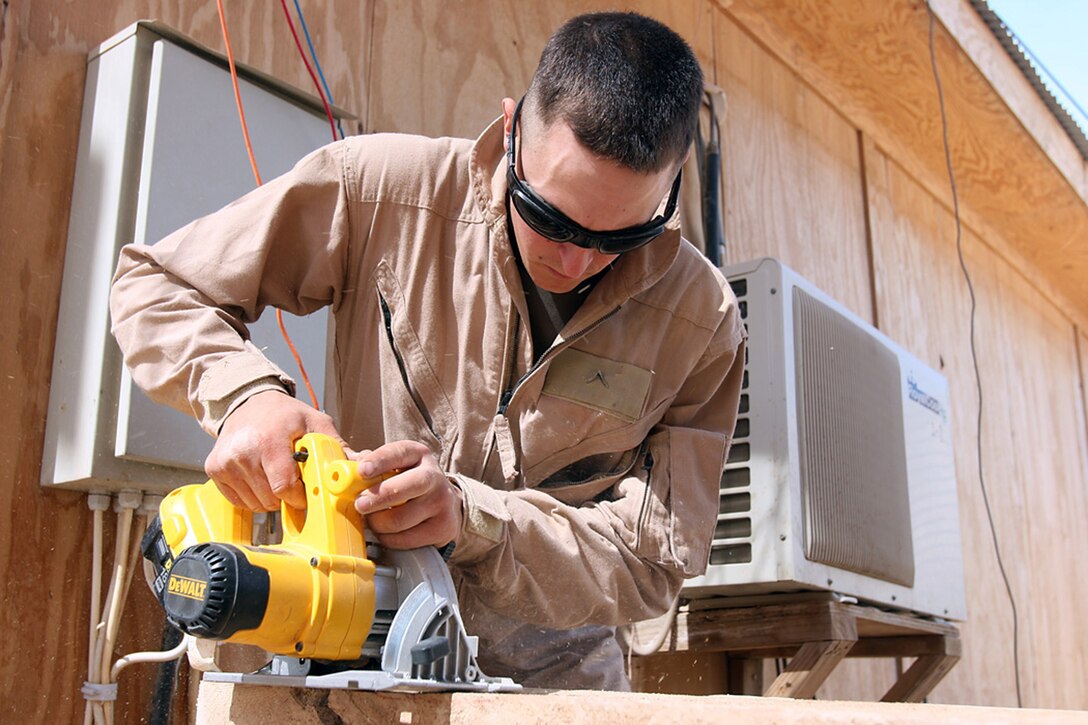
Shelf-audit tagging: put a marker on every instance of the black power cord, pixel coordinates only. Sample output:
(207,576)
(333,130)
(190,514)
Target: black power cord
(163,698)
(974,352)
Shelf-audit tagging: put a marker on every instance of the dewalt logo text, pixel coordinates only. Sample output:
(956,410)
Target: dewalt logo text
(186,587)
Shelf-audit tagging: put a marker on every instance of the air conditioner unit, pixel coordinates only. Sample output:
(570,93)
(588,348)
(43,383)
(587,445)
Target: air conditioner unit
(841,477)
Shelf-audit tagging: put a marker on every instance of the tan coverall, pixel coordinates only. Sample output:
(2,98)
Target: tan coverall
(590,478)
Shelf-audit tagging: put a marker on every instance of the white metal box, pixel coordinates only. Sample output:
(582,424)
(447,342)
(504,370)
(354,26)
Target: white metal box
(160,145)
(841,476)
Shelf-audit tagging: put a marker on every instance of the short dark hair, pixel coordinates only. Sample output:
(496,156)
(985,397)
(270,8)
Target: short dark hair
(628,86)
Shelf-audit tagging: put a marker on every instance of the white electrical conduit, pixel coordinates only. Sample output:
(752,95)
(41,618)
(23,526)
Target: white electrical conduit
(137,657)
(97,503)
(105,623)
(631,633)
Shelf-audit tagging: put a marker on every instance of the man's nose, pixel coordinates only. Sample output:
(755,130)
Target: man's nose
(574,260)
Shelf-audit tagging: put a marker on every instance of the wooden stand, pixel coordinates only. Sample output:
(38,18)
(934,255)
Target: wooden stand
(816,634)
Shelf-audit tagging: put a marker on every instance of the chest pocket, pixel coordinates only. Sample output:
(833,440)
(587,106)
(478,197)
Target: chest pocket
(615,388)
(414,404)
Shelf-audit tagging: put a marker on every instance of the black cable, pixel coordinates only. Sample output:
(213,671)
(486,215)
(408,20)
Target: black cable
(163,698)
(712,179)
(974,352)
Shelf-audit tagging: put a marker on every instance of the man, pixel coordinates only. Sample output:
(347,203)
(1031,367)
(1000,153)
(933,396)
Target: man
(551,369)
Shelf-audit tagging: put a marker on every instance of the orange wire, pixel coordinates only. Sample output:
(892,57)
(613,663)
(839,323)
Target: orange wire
(257,177)
(237,92)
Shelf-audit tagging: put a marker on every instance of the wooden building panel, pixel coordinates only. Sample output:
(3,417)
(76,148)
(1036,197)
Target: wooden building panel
(442,69)
(871,61)
(45,536)
(794,188)
(792,172)
(1032,441)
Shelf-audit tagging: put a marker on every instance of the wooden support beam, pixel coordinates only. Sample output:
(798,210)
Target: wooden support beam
(920,678)
(816,634)
(745,675)
(809,668)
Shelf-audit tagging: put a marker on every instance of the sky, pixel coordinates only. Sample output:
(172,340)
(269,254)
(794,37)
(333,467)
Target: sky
(1056,32)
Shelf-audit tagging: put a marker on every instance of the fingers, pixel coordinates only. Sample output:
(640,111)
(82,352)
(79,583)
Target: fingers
(241,464)
(429,533)
(399,455)
(402,487)
(284,479)
(416,507)
(252,461)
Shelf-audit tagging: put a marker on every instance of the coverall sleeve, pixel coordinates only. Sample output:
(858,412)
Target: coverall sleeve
(621,558)
(179,307)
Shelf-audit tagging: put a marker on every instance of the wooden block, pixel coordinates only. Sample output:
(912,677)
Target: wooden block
(681,673)
(765,626)
(745,675)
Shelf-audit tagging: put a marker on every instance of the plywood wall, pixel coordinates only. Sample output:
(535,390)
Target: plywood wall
(793,183)
(45,537)
(442,69)
(804,181)
(1032,437)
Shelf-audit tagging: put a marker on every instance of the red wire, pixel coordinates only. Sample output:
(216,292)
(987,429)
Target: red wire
(257,177)
(302,54)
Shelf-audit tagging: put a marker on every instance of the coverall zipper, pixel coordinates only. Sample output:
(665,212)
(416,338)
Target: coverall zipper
(648,466)
(387,317)
(508,394)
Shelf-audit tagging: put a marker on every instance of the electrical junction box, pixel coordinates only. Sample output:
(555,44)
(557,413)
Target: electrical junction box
(160,145)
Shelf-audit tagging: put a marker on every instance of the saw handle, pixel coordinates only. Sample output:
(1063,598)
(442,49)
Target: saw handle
(345,481)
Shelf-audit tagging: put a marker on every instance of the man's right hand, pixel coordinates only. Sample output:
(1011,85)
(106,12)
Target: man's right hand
(252,461)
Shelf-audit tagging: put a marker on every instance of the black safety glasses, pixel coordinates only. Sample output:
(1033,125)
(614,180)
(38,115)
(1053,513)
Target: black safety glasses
(550,223)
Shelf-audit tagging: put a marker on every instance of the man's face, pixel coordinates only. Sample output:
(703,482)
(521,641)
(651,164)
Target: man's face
(597,193)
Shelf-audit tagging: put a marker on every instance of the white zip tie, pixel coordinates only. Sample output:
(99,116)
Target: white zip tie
(96,692)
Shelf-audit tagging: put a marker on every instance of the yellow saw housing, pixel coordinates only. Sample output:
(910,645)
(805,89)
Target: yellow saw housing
(310,596)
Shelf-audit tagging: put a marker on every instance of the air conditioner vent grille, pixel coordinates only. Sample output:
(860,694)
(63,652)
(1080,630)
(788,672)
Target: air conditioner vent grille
(733,534)
(852,459)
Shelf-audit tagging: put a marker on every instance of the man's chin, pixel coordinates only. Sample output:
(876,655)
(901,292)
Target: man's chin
(550,281)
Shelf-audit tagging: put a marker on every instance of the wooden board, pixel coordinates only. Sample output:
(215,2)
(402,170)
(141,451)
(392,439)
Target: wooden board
(223,703)
(1033,441)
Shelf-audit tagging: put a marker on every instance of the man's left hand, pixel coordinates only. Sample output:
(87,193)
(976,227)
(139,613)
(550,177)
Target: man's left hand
(416,506)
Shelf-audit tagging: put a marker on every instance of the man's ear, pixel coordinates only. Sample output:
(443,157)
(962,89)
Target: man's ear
(508,106)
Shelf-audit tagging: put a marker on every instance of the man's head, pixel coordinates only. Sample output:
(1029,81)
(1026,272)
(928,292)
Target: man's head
(606,124)
(628,87)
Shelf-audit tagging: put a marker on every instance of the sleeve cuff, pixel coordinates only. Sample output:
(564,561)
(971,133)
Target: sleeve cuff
(234,379)
(483,523)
